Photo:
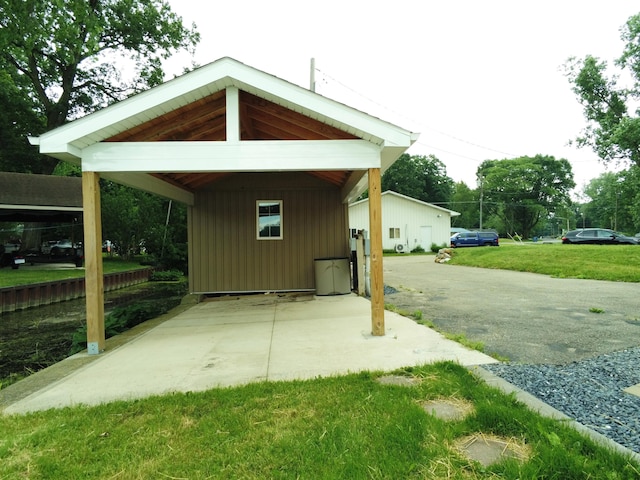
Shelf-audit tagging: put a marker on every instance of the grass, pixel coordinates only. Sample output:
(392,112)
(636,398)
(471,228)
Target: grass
(24,275)
(619,263)
(339,427)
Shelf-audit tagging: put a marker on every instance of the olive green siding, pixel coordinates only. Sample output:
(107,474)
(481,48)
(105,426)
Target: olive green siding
(224,252)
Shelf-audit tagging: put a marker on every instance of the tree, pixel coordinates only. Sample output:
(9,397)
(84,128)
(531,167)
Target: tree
(18,118)
(60,54)
(466,202)
(523,191)
(58,60)
(614,201)
(419,177)
(613,128)
(134,220)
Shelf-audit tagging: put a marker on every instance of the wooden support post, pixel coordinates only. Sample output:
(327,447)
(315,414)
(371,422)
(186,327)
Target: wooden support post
(375,244)
(94,280)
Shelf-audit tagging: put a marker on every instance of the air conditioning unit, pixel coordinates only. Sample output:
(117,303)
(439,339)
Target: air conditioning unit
(400,248)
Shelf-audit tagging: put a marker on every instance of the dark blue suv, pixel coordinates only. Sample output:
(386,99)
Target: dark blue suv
(475,239)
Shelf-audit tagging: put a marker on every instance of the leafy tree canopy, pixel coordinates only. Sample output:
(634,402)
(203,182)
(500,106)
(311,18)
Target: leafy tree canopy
(522,191)
(134,220)
(19,118)
(613,201)
(64,57)
(420,177)
(61,59)
(613,129)
(465,201)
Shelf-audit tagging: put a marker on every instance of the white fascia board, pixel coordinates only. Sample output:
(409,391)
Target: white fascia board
(248,156)
(62,151)
(151,184)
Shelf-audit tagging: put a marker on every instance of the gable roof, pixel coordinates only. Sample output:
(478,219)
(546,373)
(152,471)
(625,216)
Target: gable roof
(27,197)
(391,193)
(227,117)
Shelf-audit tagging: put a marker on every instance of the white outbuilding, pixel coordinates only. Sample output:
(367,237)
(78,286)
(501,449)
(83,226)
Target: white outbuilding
(406,222)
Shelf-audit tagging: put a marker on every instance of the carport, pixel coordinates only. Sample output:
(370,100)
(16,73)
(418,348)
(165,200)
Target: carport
(39,198)
(238,146)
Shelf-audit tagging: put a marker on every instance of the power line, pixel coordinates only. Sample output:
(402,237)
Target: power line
(458,139)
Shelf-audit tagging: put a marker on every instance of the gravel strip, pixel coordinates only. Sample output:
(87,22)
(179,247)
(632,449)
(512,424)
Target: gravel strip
(590,391)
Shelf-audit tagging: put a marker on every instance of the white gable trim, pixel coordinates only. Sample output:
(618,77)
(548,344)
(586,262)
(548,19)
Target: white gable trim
(254,156)
(410,199)
(213,78)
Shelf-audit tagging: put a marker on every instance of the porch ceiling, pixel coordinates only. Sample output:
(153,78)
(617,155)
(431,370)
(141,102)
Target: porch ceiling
(205,120)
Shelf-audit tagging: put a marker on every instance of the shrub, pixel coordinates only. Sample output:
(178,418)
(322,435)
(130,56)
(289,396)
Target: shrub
(165,275)
(436,248)
(418,249)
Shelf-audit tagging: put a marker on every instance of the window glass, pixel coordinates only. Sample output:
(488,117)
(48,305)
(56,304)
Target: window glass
(394,233)
(269,219)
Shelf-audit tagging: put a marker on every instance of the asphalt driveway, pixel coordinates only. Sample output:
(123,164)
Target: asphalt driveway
(525,317)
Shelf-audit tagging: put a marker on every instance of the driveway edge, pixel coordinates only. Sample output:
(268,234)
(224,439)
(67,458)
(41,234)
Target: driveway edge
(546,410)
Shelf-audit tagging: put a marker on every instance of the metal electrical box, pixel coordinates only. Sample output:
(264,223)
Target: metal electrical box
(333,276)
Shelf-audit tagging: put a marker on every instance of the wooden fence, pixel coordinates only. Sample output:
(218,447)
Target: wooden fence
(33,295)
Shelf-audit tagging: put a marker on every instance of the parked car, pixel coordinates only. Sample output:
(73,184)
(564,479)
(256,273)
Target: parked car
(600,236)
(55,251)
(10,258)
(475,239)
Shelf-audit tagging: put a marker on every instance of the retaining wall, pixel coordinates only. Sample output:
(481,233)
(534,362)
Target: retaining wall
(45,293)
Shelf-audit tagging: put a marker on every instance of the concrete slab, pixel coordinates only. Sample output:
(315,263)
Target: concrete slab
(246,339)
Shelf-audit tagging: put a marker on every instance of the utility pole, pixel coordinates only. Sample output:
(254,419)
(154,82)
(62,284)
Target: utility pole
(312,76)
(481,194)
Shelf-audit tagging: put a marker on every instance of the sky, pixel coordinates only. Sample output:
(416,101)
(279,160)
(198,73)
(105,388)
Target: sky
(478,79)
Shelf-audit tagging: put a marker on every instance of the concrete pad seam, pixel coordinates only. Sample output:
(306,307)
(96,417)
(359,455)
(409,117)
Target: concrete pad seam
(273,328)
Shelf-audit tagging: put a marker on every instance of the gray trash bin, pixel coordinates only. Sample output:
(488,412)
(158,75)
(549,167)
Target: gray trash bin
(333,276)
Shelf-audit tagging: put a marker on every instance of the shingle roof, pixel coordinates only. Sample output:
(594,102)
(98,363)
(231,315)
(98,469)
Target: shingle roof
(27,197)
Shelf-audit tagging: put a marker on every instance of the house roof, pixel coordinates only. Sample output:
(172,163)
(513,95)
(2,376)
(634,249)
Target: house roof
(390,193)
(224,118)
(26,197)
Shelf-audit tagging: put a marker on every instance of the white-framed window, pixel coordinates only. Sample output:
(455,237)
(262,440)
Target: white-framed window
(394,233)
(269,219)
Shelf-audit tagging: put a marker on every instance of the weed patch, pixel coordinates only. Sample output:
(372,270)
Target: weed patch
(121,319)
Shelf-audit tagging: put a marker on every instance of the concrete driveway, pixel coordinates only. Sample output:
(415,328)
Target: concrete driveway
(234,341)
(525,317)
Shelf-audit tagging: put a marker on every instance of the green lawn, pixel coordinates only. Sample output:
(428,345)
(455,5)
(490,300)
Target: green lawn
(26,274)
(598,262)
(347,427)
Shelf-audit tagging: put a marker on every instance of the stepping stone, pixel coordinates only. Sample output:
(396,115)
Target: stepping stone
(633,390)
(448,409)
(398,380)
(489,450)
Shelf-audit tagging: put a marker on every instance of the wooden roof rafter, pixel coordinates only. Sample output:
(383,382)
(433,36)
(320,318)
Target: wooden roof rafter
(207,114)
